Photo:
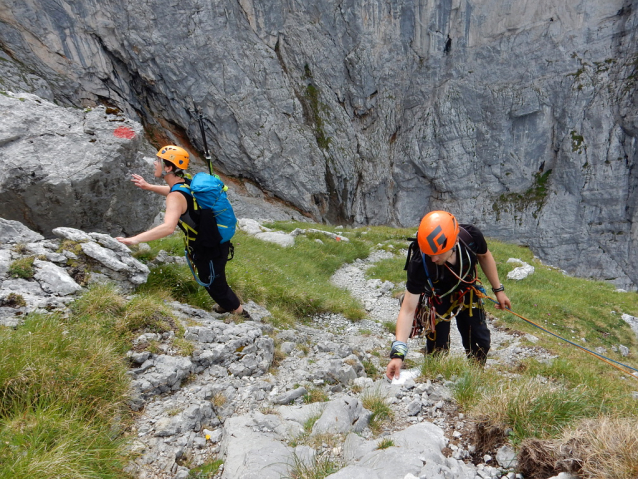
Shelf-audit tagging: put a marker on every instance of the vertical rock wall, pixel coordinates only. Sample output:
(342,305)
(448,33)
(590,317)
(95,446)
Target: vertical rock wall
(518,116)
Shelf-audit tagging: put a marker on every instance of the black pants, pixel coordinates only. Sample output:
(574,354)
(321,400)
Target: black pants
(474,334)
(219,289)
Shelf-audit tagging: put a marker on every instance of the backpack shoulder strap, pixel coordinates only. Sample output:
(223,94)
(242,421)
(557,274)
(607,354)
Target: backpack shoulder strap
(183,188)
(413,250)
(466,238)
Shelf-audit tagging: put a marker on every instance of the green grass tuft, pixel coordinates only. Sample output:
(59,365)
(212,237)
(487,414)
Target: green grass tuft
(63,388)
(375,402)
(205,471)
(22,268)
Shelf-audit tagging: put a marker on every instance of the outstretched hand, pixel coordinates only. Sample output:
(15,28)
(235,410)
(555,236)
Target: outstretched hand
(127,241)
(140,182)
(503,301)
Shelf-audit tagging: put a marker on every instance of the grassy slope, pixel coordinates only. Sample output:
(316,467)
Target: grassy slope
(63,382)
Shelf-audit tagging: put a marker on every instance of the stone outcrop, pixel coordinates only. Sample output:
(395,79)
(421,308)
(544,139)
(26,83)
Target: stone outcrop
(68,167)
(40,275)
(518,116)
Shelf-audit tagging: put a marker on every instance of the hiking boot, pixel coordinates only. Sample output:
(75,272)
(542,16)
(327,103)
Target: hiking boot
(246,315)
(219,310)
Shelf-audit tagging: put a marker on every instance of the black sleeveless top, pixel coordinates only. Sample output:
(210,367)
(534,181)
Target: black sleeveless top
(199,226)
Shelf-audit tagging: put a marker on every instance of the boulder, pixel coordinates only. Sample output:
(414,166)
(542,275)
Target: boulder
(72,167)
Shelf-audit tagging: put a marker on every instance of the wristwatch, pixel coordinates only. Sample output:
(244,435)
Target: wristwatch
(499,289)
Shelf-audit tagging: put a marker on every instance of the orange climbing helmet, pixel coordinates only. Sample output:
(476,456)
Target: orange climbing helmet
(438,232)
(175,155)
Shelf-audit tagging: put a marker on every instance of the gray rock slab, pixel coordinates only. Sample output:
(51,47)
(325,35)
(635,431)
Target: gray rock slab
(432,470)
(301,413)
(252,454)
(424,436)
(104,255)
(355,447)
(355,472)
(5,262)
(250,226)
(281,239)
(13,232)
(134,264)
(289,396)
(90,189)
(110,243)
(305,455)
(71,234)
(23,287)
(339,416)
(631,321)
(53,279)
(393,462)
(506,457)
(11,317)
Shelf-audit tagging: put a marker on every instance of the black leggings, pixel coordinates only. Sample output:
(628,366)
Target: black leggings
(474,334)
(219,289)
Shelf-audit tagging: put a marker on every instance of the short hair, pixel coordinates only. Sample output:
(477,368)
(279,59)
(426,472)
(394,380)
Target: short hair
(175,169)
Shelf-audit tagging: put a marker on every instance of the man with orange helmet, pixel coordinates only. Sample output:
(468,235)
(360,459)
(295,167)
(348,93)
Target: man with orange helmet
(441,285)
(170,164)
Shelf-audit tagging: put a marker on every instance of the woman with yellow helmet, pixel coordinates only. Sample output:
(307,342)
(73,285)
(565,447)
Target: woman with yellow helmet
(180,209)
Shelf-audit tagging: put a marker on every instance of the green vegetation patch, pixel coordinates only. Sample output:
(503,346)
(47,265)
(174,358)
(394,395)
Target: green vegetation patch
(294,282)
(62,401)
(315,395)
(22,268)
(534,197)
(313,108)
(206,471)
(375,402)
(319,467)
(578,142)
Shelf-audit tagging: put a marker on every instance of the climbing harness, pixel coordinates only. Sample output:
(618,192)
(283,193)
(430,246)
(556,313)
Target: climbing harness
(426,316)
(211,277)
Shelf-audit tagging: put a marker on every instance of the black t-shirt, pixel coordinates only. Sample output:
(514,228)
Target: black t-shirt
(472,243)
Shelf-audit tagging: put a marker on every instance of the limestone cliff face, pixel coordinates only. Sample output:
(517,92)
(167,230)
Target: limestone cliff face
(518,116)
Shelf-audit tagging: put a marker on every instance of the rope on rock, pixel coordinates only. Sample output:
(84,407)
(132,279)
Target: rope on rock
(588,351)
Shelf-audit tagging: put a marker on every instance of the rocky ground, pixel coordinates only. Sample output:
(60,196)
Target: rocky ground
(226,400)
(270,403)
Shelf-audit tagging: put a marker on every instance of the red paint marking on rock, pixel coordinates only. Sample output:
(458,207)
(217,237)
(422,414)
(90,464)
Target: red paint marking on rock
(124,132)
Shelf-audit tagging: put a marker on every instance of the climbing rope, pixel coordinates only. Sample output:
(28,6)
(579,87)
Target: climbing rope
(588,351)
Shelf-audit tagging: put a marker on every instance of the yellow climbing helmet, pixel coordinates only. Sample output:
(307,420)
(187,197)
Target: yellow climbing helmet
(175,155)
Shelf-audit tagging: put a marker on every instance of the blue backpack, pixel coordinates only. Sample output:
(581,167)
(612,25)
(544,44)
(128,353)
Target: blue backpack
(209,195)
